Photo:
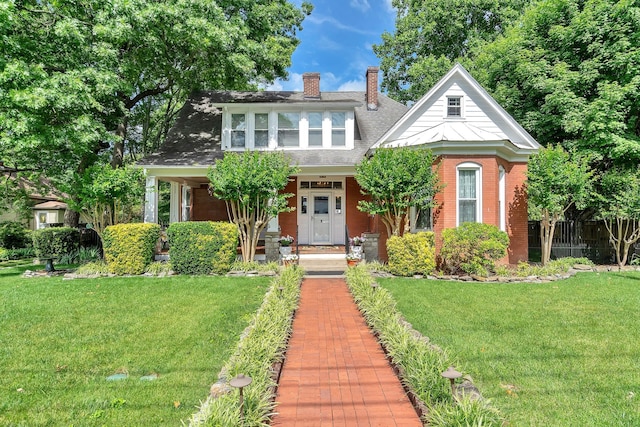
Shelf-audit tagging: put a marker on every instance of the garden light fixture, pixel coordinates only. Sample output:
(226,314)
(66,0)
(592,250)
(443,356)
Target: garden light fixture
(240,382)
(451,374)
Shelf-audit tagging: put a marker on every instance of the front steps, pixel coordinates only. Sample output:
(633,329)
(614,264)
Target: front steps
(323,263)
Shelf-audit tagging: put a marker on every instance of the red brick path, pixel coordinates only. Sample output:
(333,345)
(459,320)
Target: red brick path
(335,373)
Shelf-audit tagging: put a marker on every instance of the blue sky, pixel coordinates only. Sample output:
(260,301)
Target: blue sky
(336,41)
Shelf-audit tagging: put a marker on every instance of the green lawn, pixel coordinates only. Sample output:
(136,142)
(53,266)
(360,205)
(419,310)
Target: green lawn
(555,354)
(61,339)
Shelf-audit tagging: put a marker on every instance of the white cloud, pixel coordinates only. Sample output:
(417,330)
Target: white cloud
(327,20)
(389,6)
(362,5)
(293,84)
(353,85)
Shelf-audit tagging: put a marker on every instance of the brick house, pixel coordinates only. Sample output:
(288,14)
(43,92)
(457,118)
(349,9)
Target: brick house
(481,150)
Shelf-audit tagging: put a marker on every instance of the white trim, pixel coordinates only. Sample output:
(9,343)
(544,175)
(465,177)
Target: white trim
(502,186)
(174,202)
(151,200)
(478,171)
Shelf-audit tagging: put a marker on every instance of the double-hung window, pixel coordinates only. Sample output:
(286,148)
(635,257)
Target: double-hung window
(238,130)
(261,130)
(469,189)
(315,129)
(454,106)
(288,129)
(338,129)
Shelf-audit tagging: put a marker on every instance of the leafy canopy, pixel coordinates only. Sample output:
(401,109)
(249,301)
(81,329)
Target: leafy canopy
(569,72)
(431,35)
(396,179)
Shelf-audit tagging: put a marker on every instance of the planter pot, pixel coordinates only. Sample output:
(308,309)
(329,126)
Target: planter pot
(356,250)
(285,250)
(352,262)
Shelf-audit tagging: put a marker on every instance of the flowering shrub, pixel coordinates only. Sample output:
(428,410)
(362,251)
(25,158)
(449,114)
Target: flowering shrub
(352,256)
(286,240)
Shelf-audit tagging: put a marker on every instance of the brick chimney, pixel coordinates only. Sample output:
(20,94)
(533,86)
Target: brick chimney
(311,85)
(372,88)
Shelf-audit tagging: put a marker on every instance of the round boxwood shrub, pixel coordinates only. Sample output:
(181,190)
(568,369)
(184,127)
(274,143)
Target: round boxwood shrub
(129,248)
(412,253)
(473,248)
(55,241)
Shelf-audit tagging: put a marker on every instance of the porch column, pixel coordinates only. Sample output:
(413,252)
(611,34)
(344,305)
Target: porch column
(151,200)
(174,203)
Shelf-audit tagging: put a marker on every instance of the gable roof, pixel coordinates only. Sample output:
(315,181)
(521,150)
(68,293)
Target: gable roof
(195,138)
(485,123)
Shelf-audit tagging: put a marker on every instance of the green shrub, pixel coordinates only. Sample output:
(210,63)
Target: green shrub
(55,241)
(4,254)
(202,247)
(473,248)
(92,268)
(411,254)
(129,248)
(81,256)
(13,235)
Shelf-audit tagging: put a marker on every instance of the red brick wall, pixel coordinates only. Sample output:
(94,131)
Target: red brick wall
(357,222)
(289,220)
(206,207)
(516,207)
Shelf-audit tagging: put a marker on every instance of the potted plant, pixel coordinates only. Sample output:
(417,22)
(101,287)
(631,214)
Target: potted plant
(285,244)
(356,244)
(353,259)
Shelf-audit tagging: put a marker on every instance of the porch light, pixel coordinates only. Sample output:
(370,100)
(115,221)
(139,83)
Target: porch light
(240,382)
(452,375)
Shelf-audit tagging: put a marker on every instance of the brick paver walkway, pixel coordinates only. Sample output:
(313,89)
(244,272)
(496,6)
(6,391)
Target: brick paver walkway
(335,373)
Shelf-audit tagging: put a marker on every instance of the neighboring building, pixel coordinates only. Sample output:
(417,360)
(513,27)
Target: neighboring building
(482,153)
(49,214)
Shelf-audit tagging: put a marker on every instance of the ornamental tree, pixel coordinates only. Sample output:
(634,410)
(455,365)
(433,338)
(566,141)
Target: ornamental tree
(251,183)
(618,204)
(556,180)
(397,179)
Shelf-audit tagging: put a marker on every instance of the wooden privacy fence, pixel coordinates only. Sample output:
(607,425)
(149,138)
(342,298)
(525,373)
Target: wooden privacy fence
(588,239)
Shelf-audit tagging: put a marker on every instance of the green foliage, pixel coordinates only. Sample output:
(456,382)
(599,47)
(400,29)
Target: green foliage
(411,254)
(473,248)
(569,73)
(202,247)
(108,196)
(466,412)
(397,179)
(55,241)
(93,268)
(251,184)
(159,268)
(81,256)
(556,266)
(13,235)
(431,35)
(129,248)
(264,343)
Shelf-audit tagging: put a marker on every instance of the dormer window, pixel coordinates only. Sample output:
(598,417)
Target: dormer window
(338,129)
(261,132)
(315,129)
(238,130)
(288,129)
(454,106)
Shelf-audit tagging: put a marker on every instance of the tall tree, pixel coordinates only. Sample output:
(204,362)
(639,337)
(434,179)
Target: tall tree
(397,179)
(72,74)
(619,207)
(556,181)
(251,183)
(569,72)
(431,35)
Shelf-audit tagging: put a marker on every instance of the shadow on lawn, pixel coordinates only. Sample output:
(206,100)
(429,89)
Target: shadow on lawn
(19,270)
(626,275)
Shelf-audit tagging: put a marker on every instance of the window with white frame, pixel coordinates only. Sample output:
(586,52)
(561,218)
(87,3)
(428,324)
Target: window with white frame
(468,192)
(288,129)
(238,130)
(454,106)
(261,130)
(338,129)
(315,128)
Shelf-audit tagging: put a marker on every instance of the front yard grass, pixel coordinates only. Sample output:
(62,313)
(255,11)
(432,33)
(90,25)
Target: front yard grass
(565,353)
(60,340)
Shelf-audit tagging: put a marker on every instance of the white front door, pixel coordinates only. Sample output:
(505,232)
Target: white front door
(320,218)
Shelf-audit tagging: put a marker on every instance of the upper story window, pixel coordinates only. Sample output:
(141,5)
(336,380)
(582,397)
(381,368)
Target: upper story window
(338,129)
(454,106)
(315,129)
(288,129)
(261,132)
(238,130)
(469,193)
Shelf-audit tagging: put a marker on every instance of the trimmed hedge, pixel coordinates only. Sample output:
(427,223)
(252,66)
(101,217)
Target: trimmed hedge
(202,247)
(473,248)
(13,235)
(413,253)
(55,241)
(129,248)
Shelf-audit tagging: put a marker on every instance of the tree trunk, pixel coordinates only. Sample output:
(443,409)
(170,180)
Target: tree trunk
(118,147)
(71,218)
